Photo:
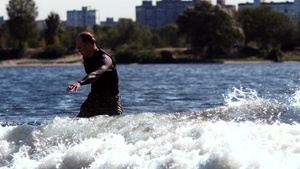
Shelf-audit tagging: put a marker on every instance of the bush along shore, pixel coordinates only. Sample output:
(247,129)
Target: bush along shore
(161,55)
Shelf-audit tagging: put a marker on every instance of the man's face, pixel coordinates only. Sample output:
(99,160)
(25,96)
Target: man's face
(83,48)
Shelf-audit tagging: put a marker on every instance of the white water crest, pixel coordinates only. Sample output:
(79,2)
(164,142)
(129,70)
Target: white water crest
(245,105)
(149,140)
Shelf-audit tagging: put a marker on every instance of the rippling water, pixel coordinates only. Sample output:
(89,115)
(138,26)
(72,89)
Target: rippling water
(175,116)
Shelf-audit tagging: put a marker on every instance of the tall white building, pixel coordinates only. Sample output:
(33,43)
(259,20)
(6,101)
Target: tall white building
(291,8)
(85,17)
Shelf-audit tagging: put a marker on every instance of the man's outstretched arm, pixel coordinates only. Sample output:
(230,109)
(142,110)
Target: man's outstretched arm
(93,76)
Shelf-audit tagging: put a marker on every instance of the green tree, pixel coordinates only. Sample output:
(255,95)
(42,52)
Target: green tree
(209,26)
(267,26)
(5,38)
(132,33)
(21,23)
(247,22)
(35,40)
(133,42)
(53,25)
(285,31)
(106,36)
(157,40)
(68,36)
(168,35)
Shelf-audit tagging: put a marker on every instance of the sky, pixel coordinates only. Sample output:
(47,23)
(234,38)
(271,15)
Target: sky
(107,8)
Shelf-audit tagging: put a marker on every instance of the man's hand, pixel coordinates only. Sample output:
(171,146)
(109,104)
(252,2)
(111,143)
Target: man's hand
(73,87)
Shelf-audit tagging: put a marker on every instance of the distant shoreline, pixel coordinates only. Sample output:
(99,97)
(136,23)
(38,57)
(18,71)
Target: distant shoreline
(75,58)
(74,61)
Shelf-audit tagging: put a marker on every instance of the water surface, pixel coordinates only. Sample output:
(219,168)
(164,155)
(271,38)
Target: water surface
(175,116)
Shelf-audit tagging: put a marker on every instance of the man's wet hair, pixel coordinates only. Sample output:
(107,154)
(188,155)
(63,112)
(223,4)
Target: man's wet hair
(86,37)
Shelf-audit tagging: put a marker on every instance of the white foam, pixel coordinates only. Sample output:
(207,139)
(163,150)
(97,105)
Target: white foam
(245,104)
(150,140)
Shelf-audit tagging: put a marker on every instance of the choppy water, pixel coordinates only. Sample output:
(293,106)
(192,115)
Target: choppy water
(175,116)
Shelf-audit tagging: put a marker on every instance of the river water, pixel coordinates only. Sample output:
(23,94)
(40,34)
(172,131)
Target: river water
(175,116)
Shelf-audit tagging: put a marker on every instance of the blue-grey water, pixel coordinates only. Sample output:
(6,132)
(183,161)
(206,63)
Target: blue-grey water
(175,116)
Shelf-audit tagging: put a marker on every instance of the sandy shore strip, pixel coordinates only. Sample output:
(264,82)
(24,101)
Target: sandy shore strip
(239,62)
(74,59)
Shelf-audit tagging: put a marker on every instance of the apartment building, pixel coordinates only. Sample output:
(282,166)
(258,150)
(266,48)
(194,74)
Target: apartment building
(84,17)
(165,12)
(109,22)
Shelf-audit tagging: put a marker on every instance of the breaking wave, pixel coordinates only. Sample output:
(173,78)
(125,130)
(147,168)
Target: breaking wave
(246,132)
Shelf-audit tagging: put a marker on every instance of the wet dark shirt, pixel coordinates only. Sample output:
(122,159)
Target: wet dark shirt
(103,78)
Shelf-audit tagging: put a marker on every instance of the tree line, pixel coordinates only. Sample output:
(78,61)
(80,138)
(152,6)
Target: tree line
(207,30)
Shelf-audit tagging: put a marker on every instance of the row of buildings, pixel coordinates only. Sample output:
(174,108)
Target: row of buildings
(164,12)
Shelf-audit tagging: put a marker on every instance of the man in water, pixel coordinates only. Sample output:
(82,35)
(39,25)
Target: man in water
(104,98)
